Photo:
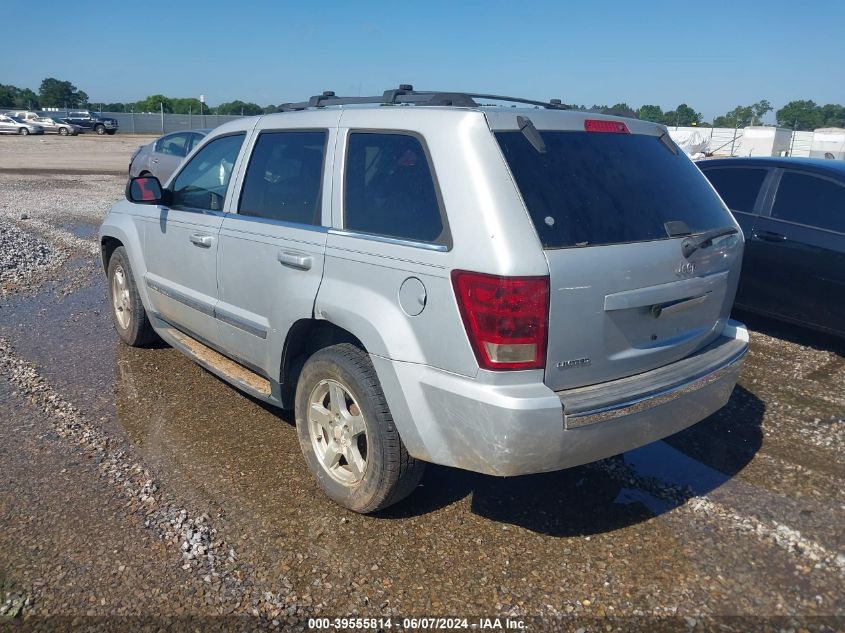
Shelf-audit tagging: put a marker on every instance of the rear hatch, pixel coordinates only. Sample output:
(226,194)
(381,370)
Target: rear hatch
(612,209)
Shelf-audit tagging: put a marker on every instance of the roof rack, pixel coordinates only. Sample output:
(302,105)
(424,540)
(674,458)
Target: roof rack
(406,95)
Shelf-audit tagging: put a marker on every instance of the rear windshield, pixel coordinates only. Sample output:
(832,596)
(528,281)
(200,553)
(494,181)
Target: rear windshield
(589,189)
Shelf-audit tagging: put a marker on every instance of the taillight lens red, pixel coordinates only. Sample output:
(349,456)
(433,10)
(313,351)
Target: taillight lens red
(604,125)
(506,318)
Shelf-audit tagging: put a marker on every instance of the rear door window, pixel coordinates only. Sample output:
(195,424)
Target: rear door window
(389,188)
(738,186)
(284,178)
(590,189)
(810,200)
(174,144)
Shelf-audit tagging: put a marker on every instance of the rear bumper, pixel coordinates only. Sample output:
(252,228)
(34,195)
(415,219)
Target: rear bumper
(513,429)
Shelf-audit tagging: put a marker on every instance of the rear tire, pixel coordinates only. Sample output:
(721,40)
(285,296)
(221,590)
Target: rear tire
(341,412)
(130,319)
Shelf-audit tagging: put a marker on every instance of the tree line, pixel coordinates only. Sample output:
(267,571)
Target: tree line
(795,115)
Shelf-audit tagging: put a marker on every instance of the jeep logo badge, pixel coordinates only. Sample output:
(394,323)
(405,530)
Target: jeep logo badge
(685,269)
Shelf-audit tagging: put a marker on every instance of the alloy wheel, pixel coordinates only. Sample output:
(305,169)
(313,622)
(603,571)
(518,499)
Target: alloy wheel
(338,432)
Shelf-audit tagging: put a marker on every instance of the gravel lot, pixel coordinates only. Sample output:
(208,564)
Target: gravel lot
(136,489)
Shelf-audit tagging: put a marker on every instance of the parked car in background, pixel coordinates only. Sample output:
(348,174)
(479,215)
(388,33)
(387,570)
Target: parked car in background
(792,211)
(57,126)
(13,125)
(503,290)
(161,157)
(23,115)
(85,119)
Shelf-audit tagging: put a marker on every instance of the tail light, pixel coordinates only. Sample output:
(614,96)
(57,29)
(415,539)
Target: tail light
(506,318)
(605,125)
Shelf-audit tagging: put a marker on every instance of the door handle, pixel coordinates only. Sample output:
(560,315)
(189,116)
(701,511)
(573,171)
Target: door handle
(292,259)
(202,240)
(769,236)
(155,160)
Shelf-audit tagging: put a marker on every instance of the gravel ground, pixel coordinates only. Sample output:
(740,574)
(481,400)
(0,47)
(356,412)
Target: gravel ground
(138,490)
(45,219)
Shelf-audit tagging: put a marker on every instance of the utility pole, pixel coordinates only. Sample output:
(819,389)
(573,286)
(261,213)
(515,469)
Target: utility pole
(736,126)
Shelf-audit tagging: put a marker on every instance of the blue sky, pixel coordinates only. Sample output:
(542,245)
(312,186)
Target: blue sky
(712,55)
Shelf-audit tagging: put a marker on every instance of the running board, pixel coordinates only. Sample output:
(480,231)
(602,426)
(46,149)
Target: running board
(219,365)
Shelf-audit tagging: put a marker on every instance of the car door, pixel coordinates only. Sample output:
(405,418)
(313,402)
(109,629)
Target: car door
(7,125)
(743,188)
(801,246)
(180,240)
(272,245)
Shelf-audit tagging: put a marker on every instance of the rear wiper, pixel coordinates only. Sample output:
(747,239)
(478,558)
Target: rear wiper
(526,126)
(692,244)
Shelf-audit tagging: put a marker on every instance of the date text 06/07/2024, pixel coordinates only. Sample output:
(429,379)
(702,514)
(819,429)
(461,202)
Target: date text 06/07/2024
(421,623)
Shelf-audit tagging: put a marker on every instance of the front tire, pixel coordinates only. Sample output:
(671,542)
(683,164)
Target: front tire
(100,130)
(347,433)
(24,132)
(62,131)
(130,319)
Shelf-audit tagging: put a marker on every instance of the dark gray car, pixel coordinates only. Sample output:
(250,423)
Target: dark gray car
(792,211)
(161,157)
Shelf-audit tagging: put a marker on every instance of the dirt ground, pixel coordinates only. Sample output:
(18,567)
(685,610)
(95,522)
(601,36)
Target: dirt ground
(138,490)
(86,153)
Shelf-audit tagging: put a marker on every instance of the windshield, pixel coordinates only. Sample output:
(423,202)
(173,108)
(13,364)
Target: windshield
(590,189)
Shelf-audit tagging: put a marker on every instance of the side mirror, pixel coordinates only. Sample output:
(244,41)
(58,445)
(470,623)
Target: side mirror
(146,190)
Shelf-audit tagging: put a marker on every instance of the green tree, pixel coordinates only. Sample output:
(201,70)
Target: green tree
(800,115)
(653,113)
(833,115)
(743,116)
(7,96)
(239,107)
(154,103)
(270,109)
(760,109)
(55,93)
(683,115)
(21,98)
(186,105)
(621,109)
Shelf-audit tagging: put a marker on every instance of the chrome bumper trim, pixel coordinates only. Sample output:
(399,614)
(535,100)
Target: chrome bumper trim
(625,408)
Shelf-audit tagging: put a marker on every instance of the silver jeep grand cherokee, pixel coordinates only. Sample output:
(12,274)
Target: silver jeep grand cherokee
(424,278)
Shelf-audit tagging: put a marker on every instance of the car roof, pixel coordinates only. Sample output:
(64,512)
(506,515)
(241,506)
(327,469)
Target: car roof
(821,165)
(498,118)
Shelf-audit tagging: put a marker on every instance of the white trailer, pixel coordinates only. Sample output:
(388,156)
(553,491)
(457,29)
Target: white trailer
(828,142)
(764,140)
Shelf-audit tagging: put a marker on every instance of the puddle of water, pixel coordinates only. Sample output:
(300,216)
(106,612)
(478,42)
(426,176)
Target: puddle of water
(83,230)
(69,338)
(661,461)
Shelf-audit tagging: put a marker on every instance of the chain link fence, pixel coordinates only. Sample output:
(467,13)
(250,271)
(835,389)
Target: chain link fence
(154,122)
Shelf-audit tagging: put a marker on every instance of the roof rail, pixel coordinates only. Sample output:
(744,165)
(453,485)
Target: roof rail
(406,95)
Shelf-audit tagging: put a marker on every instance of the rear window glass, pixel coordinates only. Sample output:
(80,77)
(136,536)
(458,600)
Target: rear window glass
(809,200)
(590,189)
(284,178)
(389,188)
(738,186)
